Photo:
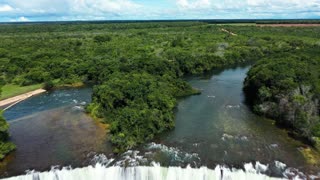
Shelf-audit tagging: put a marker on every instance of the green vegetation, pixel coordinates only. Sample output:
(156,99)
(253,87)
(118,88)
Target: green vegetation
(138,106)
(1,85)
(138,68)
(11,90)
(288,89)
(5,146)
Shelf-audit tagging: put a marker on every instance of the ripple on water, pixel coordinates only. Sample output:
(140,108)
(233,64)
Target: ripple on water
(132,165)
(229,137)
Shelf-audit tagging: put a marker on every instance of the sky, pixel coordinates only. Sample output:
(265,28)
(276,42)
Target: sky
(70,10)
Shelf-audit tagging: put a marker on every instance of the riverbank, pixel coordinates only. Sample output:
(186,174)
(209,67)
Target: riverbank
(59,129)
(211,128)
(7,103)
(5,145)
(12,90)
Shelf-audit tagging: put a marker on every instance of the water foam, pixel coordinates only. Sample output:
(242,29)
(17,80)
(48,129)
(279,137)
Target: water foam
(134,165)
(155,172)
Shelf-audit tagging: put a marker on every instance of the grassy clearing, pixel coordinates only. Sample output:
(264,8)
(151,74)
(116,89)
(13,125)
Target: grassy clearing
(237,24)
(11,90)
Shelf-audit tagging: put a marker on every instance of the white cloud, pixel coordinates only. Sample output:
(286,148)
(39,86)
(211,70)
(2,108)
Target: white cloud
(23,19)
(103,6)
(5,8)
(180,9)
(195,4)
(75,9)
(251,8)
(285,8)
(20,19)
(37,4)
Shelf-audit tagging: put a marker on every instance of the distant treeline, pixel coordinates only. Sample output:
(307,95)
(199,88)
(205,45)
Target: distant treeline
(173,22)
(50,27)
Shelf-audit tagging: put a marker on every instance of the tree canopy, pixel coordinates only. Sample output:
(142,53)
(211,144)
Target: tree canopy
(287,89)
(138,68)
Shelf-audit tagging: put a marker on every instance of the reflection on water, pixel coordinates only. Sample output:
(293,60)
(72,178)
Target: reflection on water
(212,129)
(62,136)
(220,129)
(49,100)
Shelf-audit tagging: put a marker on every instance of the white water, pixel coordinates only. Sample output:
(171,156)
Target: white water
(100,172)
(104,170)
(138,167)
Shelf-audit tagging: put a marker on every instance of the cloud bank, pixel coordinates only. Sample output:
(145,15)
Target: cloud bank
(55,10)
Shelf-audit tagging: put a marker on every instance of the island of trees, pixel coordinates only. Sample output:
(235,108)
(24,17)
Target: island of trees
(138,69)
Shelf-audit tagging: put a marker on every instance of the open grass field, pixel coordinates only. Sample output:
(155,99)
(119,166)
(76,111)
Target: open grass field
(237,24)
(11,90)
(288,25)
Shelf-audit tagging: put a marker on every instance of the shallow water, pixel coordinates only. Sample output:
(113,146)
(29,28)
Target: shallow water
(52,129)
(212,129)
(49,100)
(218,121)
(221,129)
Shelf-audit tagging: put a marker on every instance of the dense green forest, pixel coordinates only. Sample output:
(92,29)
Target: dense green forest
(138,68)
(5,146)
(287,88)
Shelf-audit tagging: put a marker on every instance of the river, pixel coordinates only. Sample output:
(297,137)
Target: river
(216,137)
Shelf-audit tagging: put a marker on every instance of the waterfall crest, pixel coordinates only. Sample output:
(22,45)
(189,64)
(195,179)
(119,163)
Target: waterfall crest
(156,172)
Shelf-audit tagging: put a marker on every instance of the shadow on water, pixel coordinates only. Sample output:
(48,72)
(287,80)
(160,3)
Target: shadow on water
(219,127)
(63,136)
(215,127)
(49,100)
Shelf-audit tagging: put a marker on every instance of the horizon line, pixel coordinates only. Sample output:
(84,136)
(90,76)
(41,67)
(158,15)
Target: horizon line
(163,20)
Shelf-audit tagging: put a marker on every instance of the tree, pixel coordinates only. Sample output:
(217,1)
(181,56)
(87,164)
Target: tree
(102,38)
(5,146)
(286,89)
(1,85)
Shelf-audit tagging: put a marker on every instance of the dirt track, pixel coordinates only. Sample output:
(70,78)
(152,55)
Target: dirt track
(229,32)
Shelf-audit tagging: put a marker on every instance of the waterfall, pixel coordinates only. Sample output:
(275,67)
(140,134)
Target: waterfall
(155,172)
(134,166)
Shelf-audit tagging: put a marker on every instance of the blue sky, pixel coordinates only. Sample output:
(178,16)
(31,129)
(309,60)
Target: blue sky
(64,10)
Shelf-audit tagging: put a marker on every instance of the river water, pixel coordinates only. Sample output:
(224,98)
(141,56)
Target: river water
(52,129)
(216,137)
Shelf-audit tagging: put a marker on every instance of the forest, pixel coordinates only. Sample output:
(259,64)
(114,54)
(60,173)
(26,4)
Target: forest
(138,69)
(287,89)
(5,146)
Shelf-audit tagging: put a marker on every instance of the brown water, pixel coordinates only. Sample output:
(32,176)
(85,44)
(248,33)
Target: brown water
(63,136)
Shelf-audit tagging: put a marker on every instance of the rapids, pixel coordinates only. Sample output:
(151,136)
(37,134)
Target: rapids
(156,172)
(216,137)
